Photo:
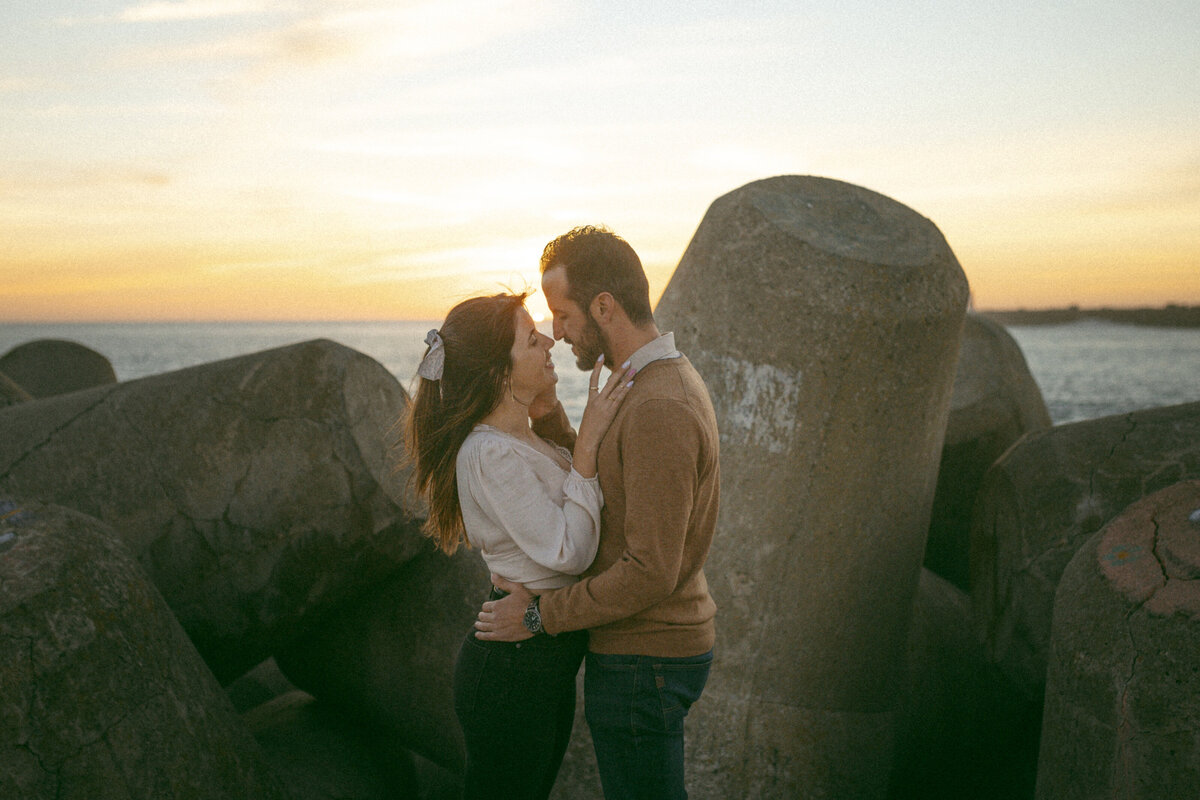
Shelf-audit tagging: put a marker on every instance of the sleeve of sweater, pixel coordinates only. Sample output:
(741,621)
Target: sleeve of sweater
(563,538)
(660,450)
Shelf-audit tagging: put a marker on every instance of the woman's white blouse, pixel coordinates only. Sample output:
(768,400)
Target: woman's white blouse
(534,522)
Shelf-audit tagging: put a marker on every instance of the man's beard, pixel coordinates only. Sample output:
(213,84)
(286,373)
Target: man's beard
(589,346)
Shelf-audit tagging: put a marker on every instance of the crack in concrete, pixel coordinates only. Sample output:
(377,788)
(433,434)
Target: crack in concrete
(149,448)
(42,765)
(1162,567)
(50,436)
(29,642)
(1126,730)
(242,410)
(48,769)
(353,470)
(1112,451)
(101,737)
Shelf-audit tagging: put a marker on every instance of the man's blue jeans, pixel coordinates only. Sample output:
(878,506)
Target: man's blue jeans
(635,706)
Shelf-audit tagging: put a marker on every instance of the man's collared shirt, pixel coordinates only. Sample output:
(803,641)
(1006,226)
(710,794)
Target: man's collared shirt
(662,347)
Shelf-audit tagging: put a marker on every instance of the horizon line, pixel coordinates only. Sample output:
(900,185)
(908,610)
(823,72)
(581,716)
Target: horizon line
(388,320)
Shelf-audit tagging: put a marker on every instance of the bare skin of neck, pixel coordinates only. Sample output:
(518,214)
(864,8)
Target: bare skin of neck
(622,347)
(510,416)
(622,337)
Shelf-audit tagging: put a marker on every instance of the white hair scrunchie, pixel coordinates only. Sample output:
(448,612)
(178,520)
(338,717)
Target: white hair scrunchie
(435,360)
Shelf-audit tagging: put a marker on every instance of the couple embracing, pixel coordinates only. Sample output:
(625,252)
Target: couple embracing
(596,539)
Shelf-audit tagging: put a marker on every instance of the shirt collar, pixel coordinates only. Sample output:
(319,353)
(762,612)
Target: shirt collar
(654,350)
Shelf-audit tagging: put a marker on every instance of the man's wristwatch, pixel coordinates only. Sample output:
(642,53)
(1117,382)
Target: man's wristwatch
(533,616)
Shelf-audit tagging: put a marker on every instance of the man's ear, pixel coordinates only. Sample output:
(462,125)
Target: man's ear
(602,307)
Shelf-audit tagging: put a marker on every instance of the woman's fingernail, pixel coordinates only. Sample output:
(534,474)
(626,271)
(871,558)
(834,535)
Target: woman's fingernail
(600,358)
(625,365)
(629,384)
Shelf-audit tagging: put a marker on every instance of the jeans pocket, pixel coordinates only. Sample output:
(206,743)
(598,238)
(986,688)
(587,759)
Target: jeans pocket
(679,683)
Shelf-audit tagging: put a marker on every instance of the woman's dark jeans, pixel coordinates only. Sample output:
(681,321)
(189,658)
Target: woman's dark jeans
(635,706)
(516,705)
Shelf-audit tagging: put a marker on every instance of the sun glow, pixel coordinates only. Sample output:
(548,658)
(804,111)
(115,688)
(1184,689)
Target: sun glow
(536,303)
(362,159)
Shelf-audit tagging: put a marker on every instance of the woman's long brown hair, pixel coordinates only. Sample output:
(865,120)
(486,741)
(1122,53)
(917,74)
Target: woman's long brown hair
(478,336)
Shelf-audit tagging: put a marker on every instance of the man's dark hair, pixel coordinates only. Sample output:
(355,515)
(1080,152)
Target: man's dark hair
(597,260)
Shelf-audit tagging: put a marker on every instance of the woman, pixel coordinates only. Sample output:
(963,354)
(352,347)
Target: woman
(533,510)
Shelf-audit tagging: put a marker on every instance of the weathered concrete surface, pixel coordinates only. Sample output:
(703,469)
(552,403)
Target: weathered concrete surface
(1122,713)
(255,491)
(11,393)
(832,409)
(388,660)
(258,686)
(995,402)
(954,737)
(321,756)
(49,367)
(1042,500)
(103,694)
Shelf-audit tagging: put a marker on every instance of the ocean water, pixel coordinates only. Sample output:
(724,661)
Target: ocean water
(138,349)
(1085,369)
(1093,368)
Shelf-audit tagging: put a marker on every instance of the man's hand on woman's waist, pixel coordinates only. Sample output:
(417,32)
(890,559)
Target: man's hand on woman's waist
(503,620)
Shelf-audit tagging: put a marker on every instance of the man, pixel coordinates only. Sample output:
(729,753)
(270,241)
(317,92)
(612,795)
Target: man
(644,600)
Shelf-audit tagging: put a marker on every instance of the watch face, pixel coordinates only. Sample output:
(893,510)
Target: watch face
(533,620)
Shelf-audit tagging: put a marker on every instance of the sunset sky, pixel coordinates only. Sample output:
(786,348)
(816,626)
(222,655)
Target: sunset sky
(361,159)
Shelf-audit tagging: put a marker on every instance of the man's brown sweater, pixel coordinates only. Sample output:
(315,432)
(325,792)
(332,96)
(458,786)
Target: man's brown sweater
(645,594)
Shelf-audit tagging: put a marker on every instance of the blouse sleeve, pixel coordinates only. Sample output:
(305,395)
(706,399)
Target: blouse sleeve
(508,491)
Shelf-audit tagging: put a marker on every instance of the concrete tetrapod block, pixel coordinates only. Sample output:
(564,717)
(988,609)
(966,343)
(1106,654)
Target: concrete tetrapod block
(995,402)
(825,319)
(49,367)
(103,695)
(387,660)
(258,686)
(320,755)
(323,755)
(952,738)
(11,393)
(254,491)
(1042,500)
(1122,713)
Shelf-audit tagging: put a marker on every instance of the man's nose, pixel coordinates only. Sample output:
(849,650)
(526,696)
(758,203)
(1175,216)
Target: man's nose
(557,327)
